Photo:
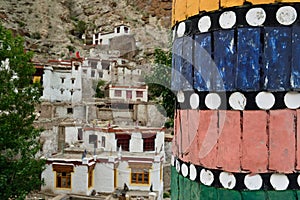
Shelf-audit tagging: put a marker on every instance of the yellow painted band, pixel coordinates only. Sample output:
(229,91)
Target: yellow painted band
(183,9)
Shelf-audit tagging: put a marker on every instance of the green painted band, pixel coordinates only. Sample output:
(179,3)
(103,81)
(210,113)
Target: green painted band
(184,188)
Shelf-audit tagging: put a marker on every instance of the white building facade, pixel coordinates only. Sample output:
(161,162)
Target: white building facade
(69,176)
(104,39)
(97,69)
(62,82)
(107,159)
(128,93)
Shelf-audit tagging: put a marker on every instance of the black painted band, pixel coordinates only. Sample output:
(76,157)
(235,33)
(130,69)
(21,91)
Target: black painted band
(239,184)
(241,21)
(282,100)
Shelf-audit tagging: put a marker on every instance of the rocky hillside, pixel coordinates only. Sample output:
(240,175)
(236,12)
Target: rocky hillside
(54,28)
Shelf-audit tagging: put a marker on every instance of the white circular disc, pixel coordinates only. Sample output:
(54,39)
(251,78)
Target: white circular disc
(253,182)
(256,16)
(181,29)
(279,181)
(180,96)
(172,160)
(184,170)
(213,101)
(298,180)
(194,101)
(292,100)
(177,166)
(227,180)
(206,177)
(286,15)
(265,100)
(193,172)
(237,101)
(204,24)
(227,19)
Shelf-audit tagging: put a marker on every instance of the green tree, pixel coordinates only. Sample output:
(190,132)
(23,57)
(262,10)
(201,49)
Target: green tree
(100,89)
(80,27)
(159,83)
(19,145)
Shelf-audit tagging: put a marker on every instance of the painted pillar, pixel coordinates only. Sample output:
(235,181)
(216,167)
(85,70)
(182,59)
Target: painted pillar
(236,74)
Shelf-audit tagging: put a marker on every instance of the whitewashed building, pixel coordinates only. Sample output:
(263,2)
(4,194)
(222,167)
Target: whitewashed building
(68,173)
(96,68)
(62,81)
(104,38)
(106,159)
(128,93)
(115,70)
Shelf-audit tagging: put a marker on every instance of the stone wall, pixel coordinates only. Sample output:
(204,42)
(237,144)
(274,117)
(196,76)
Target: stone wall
(142,114)
(48,140)
(156,115)
(125,44)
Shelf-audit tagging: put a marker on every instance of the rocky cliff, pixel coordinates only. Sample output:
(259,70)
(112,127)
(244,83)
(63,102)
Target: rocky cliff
(54,28)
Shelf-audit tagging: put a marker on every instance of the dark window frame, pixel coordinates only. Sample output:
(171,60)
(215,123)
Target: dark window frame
(123,140)
(140,176)
(69,110)
(128,94)
(118,93)
(149,142)
(139,94)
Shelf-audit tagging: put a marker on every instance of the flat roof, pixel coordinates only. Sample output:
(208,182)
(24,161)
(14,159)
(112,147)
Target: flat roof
(74,154)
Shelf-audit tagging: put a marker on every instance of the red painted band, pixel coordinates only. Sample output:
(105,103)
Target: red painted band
(256,141)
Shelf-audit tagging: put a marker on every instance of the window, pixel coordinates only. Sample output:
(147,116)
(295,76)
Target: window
(76,66)
(149,142)
(140,176)
(80,134)
(93,64)
(128,94)
(62,79)
(63,176)
(105,65)
(126,29)
(120,106)
(93,139)
(118,93)
(123,141)
(93,73)
(63,179)
(139,94)
(100,74)
(69,110)
(73,80)
(90,176)
(103,141)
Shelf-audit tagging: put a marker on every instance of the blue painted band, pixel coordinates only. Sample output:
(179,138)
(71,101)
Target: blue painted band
(241,59)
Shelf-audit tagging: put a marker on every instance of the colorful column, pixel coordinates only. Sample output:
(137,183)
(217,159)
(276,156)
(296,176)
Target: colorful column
(236,74)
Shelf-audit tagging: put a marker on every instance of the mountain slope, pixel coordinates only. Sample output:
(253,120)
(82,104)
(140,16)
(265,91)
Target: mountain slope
(54,28)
